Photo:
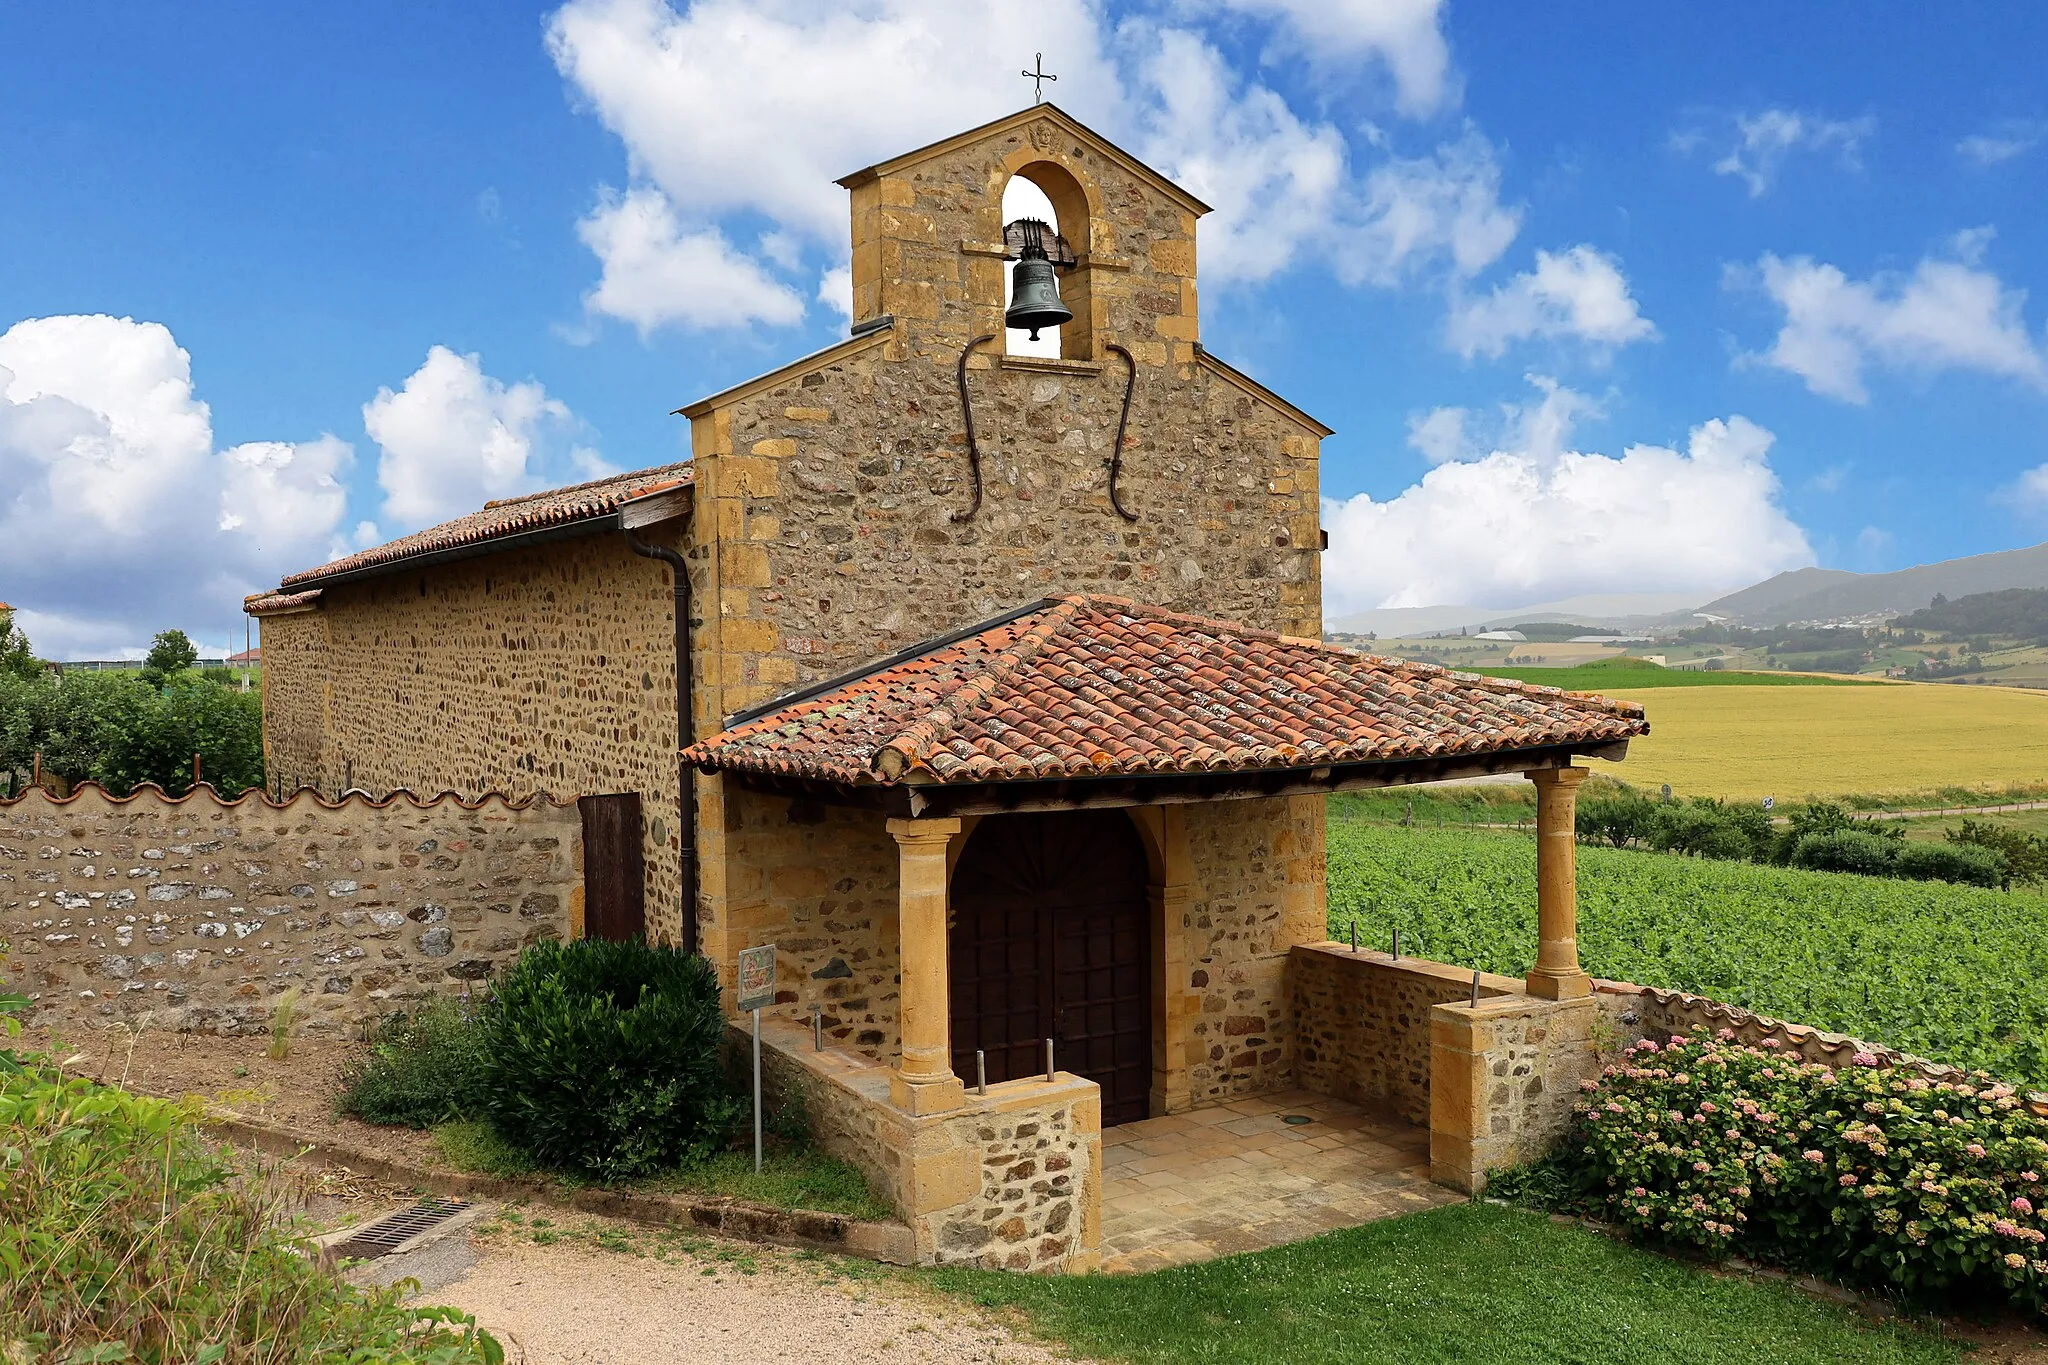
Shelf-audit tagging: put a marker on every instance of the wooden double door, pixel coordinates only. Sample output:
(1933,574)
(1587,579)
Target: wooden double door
(1049,938)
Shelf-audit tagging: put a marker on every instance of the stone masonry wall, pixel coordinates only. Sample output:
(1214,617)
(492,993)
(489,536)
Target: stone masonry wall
(198,913)
(295,688)
(1504,1075)
(1010,1181)
(827,492)
(541,672)
(1258,890)
(1361,1023)
(819,882)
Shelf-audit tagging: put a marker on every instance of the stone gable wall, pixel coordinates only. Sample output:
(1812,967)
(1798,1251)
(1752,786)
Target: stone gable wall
(547,672)
(198,913)
(295,683)
(827,493)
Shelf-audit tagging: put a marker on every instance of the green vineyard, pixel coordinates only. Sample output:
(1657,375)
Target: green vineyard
(1953,973)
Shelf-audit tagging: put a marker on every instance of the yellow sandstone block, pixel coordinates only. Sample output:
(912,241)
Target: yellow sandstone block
(750,636)
(746,566)
(776,668)
(1174,258)
(774,448)
(763,528)
(752,475)
(808,414)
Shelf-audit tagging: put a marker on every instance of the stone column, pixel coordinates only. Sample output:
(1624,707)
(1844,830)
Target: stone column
(924,1082)
(1557,974)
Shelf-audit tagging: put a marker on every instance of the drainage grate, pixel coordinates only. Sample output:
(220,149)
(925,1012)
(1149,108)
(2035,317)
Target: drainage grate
(385,1235)
(1296,1119)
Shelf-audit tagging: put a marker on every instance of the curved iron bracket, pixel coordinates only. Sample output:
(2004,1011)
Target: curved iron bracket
(967,411)
(1116,455)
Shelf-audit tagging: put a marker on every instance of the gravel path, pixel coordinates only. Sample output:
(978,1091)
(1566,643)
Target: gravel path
(610,1294)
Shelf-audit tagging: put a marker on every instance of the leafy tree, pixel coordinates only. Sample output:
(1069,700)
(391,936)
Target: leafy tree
(2026,855)
(170,653)
(16,658)
(117,729)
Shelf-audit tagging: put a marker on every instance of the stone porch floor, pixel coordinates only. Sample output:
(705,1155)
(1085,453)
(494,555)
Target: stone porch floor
(1189,1187)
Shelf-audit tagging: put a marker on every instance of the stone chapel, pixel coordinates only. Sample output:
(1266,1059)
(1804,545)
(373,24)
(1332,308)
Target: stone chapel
(988,687)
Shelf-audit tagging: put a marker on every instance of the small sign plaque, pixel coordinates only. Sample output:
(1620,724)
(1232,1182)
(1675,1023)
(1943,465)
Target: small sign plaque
(757,977)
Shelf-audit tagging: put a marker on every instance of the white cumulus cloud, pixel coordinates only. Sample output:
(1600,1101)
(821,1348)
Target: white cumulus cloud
(453,437)
(119,515)
(2002,142)
(2030,491)
(1534,519)
(1407,35)
(656,271)
(738,114)
(1944,314)
(1579,294)
(1759,144)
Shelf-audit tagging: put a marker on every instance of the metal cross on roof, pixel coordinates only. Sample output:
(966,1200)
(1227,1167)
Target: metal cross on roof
(1038,76)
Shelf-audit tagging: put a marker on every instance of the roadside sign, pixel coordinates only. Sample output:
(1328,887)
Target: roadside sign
(757,977)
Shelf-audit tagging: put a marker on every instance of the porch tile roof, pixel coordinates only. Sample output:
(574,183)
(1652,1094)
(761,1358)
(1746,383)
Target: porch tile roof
(509,517)
(1092,686)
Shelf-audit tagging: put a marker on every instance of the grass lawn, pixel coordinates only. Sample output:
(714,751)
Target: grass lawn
(790,1178)
(1791,742)
(1471,1283)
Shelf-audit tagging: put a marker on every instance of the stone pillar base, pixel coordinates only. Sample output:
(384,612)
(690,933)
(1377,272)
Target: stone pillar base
(1503,1076)
(938,1095)
(1548,985)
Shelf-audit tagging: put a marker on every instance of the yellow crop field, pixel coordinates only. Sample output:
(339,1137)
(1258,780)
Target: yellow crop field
(1792,742)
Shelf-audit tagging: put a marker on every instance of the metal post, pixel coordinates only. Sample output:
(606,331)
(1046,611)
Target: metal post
(1397,943)
(757,1088)
(1474,1004)
(1048,1060)
(1354,936)
(980,1072)
(817,1028)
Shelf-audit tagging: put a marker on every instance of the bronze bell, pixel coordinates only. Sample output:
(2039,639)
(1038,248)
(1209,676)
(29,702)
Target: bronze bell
(1035,291)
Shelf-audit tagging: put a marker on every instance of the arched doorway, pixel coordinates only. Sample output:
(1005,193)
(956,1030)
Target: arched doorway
(1048,939)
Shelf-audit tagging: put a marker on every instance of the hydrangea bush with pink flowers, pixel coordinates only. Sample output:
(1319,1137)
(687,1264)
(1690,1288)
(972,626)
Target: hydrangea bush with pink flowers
(1874,1176)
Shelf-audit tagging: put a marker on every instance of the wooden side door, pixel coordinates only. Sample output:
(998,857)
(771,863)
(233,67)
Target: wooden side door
(614,867)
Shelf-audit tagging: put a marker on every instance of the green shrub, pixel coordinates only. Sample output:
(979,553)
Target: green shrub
(1876,1177)
(1846,850)
(604,1058)
(424,1067)
(124,1237)
(1708,828)
(2026,855)
(1971,864)
(1622,818)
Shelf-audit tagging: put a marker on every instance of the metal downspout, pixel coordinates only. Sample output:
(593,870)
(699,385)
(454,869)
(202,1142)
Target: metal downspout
(686,805)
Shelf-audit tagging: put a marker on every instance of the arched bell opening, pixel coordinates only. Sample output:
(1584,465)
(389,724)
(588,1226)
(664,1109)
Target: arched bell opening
(1048,193)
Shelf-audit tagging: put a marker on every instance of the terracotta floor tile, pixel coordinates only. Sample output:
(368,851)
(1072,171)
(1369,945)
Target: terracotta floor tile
(1232,1178)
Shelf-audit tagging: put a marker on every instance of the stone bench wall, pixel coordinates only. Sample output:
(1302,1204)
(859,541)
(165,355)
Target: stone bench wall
(1362,1023)
(200,913)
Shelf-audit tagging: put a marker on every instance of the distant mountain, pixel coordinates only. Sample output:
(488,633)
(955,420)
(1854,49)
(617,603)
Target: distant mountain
(1833,594)
(1624,610)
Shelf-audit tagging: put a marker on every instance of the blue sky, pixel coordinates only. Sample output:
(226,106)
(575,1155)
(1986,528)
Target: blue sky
(1638,298)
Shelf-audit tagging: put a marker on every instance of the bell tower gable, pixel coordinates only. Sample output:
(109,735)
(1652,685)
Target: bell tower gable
(928,248)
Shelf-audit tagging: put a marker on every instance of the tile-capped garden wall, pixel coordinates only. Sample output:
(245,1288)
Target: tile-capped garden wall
(198,913)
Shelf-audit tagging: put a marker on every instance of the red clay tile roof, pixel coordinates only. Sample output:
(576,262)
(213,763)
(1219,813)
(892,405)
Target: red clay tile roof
(270,603)
(1092,686)
(510,517)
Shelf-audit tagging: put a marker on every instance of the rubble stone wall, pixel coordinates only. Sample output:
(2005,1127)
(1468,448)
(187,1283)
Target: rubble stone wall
(547,672)
(1257,878)
(1012,1180)
(200,913)
(1361,1023)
